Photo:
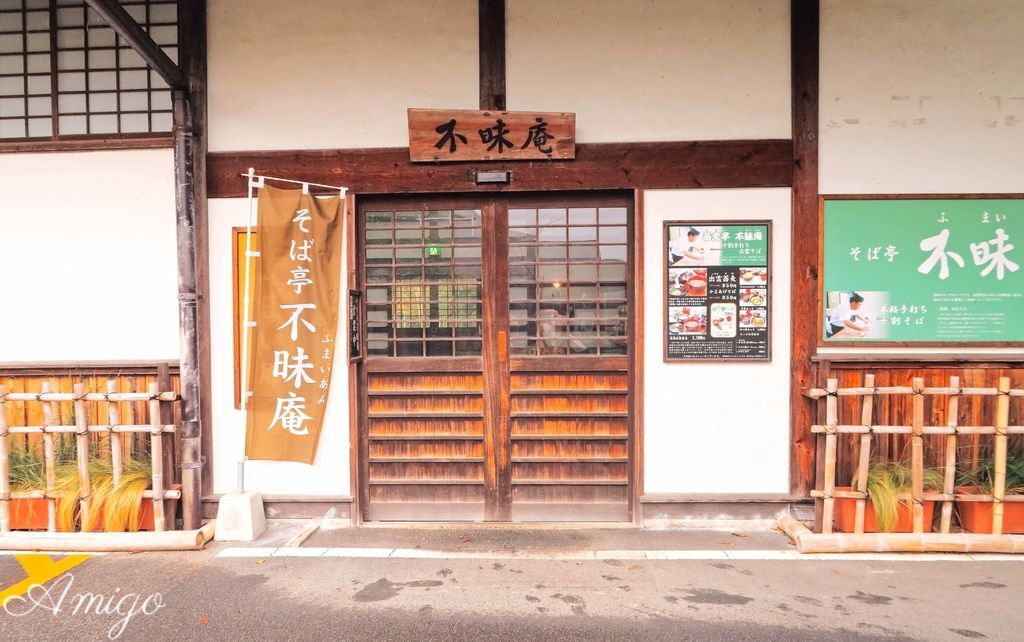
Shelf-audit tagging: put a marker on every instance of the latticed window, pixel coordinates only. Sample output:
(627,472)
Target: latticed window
(65,74)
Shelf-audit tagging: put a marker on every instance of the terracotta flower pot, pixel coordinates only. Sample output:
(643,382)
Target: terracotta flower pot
(976,517)
(845,514)
(29,514)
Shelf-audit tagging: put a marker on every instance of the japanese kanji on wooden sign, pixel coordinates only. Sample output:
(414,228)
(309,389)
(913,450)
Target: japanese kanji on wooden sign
(466,135)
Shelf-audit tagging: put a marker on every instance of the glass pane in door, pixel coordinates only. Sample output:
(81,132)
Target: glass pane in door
(568,281)
(423,283)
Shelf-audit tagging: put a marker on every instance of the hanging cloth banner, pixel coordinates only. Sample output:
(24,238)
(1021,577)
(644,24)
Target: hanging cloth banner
(296,313)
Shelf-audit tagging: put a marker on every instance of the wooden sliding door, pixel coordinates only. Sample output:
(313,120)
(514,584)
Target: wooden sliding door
(498,343)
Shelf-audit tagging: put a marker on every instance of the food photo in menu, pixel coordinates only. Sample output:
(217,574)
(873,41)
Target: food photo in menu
(717,291)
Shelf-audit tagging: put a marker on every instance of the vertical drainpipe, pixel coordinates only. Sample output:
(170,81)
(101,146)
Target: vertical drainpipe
(188,300)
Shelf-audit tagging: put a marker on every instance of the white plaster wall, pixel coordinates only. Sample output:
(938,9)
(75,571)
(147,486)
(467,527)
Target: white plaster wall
(652,70)
(310,74)
(88,257)
(716,427)
(329,473)
(922,96)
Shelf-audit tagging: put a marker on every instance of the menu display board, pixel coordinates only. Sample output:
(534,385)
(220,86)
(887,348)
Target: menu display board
(717,290)
(355,322)
(923,270)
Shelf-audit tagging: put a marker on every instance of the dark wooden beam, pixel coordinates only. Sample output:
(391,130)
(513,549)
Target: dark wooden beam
(804,284)
(88,143)
(736,163)
(115,15)
(492,54)
(192,55)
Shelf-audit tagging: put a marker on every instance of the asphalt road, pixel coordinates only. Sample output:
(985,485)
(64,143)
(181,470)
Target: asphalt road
(205,597)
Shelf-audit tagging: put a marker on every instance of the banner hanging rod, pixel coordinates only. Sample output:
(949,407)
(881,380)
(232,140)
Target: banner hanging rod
(257,181)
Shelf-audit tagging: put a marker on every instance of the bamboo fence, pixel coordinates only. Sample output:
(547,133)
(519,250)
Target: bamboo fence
(917,430)
(160,409)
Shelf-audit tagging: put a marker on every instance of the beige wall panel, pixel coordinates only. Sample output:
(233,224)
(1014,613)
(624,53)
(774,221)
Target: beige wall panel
(88,256)
(650,70)
(922,96)
(329,473)
(309,74)
(716,427)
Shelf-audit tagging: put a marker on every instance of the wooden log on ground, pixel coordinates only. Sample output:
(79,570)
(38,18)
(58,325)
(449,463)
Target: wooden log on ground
(109,542)
(809,542)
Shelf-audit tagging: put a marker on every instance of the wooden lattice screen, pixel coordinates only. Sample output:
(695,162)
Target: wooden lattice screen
(79,413)
(949,429)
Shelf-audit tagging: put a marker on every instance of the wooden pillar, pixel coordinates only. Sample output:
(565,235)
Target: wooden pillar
(492,54)
(804,22)
(191,433)
(192,58)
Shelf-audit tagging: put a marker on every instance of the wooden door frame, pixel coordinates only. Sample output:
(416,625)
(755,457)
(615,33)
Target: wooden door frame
(494,210)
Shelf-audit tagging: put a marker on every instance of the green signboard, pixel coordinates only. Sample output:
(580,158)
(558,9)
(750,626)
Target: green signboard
(923,270)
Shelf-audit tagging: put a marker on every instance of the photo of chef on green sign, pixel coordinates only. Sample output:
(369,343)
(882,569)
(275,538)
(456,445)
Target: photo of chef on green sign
(848,315)
(923,270)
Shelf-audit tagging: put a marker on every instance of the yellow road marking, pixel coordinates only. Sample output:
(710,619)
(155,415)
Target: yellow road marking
(40,569)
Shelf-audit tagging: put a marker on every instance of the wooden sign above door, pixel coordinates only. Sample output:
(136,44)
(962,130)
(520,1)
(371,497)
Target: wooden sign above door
(466,135)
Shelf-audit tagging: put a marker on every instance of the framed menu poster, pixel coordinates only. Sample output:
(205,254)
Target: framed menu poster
(717,291)
(355,323)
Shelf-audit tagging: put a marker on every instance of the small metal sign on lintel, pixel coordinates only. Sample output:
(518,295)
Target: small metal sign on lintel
(498,177)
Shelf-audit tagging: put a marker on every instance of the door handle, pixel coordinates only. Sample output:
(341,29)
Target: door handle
(502,346)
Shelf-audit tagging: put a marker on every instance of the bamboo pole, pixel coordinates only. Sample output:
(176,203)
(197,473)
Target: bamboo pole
(999,481)
(163,382)
(865,453)
(831,419)
(148,494)
(949,474)
(818,393)
(917,454)
(808,542)
(5,469)
(156,457)
(82,452)
(119,429)
(909,430)
(92,396)
(141,541)
(49,462)
(114,417)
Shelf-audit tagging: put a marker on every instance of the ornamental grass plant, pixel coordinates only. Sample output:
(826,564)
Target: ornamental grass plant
(887,481)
